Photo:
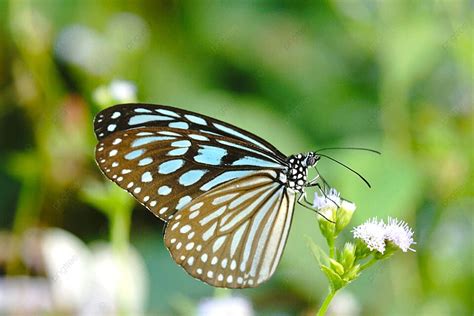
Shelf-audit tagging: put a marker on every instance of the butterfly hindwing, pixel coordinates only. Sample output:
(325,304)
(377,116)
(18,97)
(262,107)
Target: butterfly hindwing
(234,235)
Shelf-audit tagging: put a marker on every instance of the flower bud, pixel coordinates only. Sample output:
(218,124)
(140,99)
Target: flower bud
(327,207)
(347,256)
(344,215)
(352,273)
(336,266)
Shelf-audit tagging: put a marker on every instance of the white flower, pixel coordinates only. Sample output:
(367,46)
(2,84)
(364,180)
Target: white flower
(372,233)
(332,207)
(331,200)
(375,233)
(118,91)
(400,234)
(228,306)
(122,90)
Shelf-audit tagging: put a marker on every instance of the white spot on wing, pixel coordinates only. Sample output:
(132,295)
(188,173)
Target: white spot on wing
(147,177)
(218,243)
(180,125)
(183,201)
(164,190)
(196,119)
(168,112)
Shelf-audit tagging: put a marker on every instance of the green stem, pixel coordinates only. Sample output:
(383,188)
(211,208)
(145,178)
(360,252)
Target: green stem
(368,264)
(119,237)
(332,250)
(220,292)
(120,230)
(326,302)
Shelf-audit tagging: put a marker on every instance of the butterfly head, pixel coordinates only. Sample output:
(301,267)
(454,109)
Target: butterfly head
(310,159)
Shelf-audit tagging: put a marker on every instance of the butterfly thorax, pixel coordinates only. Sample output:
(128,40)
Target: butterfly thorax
(296,175)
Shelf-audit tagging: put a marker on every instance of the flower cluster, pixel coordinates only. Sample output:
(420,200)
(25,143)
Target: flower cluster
(375,240)
(376,234)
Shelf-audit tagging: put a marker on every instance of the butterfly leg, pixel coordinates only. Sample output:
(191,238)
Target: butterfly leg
(314,183)
(302,198)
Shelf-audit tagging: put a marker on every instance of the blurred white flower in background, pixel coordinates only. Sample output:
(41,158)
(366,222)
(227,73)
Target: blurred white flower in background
(344,304)
(22,295)
(128,31)
(67,262)
(122,90)
(82,46)
(118,91)
(91,281)
(227,306)
(104,52)
(119,282)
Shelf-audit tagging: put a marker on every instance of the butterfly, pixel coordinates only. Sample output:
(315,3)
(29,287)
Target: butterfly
(227,196)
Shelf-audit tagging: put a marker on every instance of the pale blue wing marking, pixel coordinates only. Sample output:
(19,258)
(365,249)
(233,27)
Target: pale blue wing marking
(196,119)
(115,115)
(240,135)
(145,161)
(168,112)
(181,143)
(146,140)
(252,161)
(224,142)
(170,166)
(180,125)
(183,201)
(210,155)
(164,190)
(142,110)
(198,137)
(134,154)
(146,177)
(190,177)
(178,151)
(224,177)
(143,118)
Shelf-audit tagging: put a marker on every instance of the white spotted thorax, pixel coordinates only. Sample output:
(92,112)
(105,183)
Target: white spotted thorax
(296,175)
(226,195)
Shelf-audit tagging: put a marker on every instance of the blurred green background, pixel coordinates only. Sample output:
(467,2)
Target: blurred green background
(396,76)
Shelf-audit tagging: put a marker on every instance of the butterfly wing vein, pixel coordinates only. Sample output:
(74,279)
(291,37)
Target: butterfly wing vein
(235,241)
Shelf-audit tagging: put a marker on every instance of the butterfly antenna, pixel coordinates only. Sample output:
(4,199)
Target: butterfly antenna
(347,167)
(353,148)
(326,184)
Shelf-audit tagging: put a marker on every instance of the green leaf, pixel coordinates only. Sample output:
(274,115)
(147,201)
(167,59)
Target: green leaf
(335,281)
(317,251)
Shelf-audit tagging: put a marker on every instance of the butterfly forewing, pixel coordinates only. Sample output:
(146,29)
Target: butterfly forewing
(166,168)
(233,236)
(130,116)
